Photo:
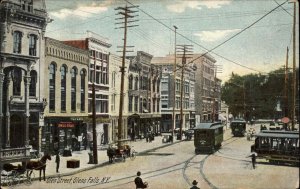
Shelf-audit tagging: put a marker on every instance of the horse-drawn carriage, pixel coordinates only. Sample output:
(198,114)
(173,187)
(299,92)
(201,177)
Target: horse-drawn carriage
(16,174)
(122,153)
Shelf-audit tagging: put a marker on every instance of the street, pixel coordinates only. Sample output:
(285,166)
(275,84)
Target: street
(176,166)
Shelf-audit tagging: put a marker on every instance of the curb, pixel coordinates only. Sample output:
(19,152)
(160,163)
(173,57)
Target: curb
(105,163)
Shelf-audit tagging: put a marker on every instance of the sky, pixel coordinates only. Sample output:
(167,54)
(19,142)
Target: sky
(243,36)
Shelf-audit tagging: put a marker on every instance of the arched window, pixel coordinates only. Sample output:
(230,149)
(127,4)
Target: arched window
(63,72)
(17,78)
(130,82)
(73,88)
(32,45)
(82,89)
(52,69)
(33,80)
(17,42)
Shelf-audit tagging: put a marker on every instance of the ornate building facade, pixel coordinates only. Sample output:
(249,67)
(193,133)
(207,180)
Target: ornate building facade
(143,96)
(22,101)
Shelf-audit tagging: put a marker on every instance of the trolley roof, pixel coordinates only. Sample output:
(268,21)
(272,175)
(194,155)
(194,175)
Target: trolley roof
(208,125)
(238,121)
(277,135)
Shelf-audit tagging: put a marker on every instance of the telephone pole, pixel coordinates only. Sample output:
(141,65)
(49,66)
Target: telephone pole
(294,68)
(174,99)
(95,150)
(286,86)
(185,50)
(127,16)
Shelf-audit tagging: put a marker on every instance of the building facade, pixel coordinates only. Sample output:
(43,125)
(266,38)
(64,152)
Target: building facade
(22,101)
(205,87)
(66,91)
(115,62)
(143,96)
(98,48)
(167,93)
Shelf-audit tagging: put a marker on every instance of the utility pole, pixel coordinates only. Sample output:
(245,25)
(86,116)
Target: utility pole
(185,49)
(285,87)
(95,150)
(294,68)
(217,69)
(174,99)
(127,15)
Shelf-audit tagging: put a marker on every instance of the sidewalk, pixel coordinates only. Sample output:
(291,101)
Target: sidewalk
(140,146)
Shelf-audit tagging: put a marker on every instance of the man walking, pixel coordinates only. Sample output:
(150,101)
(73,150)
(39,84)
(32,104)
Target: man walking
(57,161)
(253,158)
(139,182)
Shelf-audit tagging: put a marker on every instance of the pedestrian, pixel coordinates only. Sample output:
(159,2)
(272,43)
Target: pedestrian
(194,185)
(57,161)
(139,182)
(253,158)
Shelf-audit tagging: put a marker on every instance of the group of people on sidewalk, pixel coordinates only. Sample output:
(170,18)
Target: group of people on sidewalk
(140,184)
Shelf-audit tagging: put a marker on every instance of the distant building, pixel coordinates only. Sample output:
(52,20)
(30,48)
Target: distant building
(66,90)
(167,93)
(143,95)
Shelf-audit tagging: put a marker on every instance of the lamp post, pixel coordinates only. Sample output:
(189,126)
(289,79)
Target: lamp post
(174,98)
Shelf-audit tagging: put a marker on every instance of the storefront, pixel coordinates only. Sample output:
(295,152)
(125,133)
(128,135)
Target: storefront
(69,132)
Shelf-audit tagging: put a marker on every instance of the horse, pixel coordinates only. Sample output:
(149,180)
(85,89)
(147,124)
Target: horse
(111,153)
(39,165)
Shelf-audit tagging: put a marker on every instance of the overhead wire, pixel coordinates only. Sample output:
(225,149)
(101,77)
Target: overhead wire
(210,50)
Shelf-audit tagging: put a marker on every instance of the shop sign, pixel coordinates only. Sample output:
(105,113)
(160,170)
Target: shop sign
(66,125)
(76,119)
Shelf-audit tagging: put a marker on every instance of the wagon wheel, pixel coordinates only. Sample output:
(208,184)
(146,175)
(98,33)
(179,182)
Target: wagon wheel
(29,177)
(132,155)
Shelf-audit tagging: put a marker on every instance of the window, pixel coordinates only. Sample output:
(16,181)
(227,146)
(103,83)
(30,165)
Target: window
(63,72)
(153,83)
(158,83)
(17,78)
(52,69)
(32,45)
(17,42)
(153,104)
(33,80)
(113,79)
(130,82)
(130,104)
(73,88)
(82,90)
(158,105)
(136,83)
(136,102)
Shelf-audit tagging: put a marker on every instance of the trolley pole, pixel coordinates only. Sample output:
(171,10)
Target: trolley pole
(126,12)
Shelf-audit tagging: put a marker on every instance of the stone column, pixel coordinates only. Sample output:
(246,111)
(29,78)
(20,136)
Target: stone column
(8,77)
(1,104)
(27,79)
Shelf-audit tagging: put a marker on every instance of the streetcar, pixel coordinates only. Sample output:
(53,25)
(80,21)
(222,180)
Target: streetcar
(277,146)
(238,127)
(208,137)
